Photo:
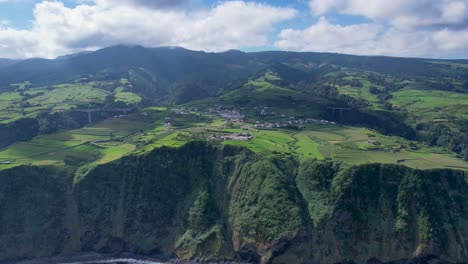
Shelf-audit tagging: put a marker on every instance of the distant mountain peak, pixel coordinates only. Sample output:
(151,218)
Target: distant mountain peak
(69,56)
(233,51)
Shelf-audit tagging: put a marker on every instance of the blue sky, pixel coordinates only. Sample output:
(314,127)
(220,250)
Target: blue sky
(410,28)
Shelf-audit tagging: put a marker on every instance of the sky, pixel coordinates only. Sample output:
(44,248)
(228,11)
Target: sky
(404,28)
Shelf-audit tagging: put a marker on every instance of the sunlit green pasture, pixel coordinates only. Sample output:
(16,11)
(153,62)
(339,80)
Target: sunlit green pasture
(159,127)
(127,97)
(266,141)
(29,103)
(102,142)
(348,144)
(431,104)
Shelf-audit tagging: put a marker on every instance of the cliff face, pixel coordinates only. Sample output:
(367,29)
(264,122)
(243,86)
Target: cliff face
(385,211)
(19,130)
(207,202)
(32,203)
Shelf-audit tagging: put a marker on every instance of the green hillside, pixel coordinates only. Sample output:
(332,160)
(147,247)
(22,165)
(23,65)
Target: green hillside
(268,157)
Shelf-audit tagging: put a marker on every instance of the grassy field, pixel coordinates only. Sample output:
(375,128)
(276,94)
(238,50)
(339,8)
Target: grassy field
(307,147)
(160,126)
(266,141)
(107,140)
(115,137)
(431,104)
(361,92)
(424,103)
(67,95)
(100,143)
(349,144)
(29,103)
(127,97)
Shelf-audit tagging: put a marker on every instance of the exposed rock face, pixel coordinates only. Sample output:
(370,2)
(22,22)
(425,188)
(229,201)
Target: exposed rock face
(206,202)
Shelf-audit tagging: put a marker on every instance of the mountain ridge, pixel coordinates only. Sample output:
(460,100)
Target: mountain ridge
(129,56)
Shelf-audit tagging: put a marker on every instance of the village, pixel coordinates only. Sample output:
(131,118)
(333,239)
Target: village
(234,116)
(235,137)
(292,123)
(231,115)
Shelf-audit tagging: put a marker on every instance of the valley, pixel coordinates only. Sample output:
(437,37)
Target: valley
(114,137)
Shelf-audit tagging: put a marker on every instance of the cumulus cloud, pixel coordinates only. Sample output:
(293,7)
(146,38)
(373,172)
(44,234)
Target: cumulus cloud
(424,28)
(59,30)
(147,3)
(324,36)
(374,39)
(400,13)
(452,41)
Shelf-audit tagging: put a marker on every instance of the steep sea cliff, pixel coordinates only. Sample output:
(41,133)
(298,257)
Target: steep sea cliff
(206,202)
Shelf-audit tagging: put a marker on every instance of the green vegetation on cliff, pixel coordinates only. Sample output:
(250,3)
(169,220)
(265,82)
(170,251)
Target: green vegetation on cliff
(208,202)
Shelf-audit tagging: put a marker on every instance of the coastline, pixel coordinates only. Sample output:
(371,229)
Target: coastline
(129,258)
(92,257)
(95,258)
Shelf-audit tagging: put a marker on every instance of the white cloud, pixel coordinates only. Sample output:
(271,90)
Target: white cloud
(400,13)
(375,39)
(161,4)
(395,42)
(450,41)
(324,36)
(15,42)
(424,28)
(4,22)
(59,30)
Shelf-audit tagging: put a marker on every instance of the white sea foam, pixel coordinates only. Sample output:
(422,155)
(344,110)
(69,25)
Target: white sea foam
(129,261)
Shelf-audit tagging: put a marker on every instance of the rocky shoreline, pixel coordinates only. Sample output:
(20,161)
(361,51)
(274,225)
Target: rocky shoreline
(423,259)
(91,257)
(117,258)
(128,258)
